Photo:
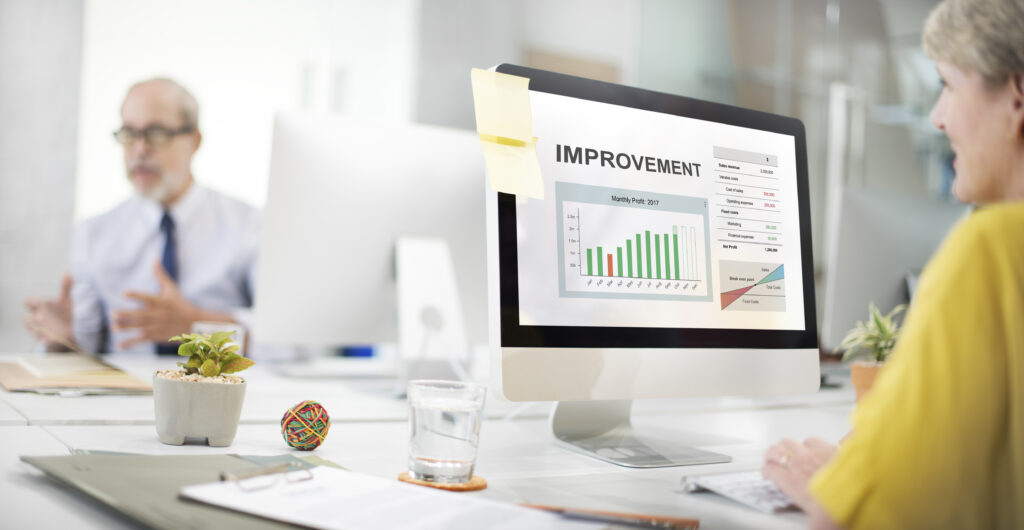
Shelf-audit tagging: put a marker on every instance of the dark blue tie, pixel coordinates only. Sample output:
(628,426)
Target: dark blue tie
(170,263)
(170,257)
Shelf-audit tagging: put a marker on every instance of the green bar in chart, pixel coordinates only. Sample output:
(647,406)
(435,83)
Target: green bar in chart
(590,262)
(629,258)
(675,250)
(600,261)
(648,247)
(618,250)
(668,261)
(657,255)
(639,260)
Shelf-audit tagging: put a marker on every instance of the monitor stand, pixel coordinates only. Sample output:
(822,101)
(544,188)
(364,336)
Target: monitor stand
(602,430)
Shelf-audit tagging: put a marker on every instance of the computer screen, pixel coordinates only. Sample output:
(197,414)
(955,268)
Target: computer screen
(667,223)
(651,232)
(669,257)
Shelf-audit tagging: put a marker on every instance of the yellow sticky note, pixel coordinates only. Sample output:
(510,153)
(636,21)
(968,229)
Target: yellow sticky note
(505,126)
(514,169)
(502,104)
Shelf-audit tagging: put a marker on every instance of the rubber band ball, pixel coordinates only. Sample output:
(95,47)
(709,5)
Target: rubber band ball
(305,425)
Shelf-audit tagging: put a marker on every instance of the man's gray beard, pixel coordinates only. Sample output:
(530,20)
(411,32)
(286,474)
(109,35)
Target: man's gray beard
(162,191)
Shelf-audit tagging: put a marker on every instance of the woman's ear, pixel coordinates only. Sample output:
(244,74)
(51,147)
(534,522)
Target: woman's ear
(1017,92)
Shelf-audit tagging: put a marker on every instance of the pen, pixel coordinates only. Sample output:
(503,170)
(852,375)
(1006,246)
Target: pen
(632,519)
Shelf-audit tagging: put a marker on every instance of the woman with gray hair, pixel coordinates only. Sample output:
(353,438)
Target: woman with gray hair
(939,441)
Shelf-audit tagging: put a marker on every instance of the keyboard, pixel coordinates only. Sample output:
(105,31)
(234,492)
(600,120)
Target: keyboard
(748,488)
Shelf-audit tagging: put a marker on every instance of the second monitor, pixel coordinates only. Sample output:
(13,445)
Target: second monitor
(345,197)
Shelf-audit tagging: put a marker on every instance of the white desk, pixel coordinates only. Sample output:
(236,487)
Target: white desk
(251,440)
(269,394)
(10,416)
(522,463)
(29,499)
(369,434)
(265,402)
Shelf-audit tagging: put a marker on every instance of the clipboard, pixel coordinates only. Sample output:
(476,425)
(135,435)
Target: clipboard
(145,488)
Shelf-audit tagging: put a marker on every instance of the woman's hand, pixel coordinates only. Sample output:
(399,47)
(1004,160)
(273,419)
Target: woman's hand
(790,465)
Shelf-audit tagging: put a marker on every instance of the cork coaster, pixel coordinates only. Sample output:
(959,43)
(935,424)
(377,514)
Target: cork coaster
(474,484)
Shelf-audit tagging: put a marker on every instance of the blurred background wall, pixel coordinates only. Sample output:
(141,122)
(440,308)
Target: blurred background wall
(851,70)
(40,76)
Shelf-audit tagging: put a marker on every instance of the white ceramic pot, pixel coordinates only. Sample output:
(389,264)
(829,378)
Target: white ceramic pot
(197,410)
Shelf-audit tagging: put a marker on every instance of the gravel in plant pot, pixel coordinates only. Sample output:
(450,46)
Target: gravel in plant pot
(869,344)
(202,399)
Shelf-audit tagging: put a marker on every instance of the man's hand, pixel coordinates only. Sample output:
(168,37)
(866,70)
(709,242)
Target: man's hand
(163,315)
(50,320)
(790,465)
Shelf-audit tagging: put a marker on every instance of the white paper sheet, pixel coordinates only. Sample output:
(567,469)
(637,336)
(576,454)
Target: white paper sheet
(344,499)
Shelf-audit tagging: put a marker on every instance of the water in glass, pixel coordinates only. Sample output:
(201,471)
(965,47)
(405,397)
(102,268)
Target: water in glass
(444,433)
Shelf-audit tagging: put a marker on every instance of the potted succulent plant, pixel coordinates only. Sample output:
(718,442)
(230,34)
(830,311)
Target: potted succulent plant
(869,344)
(202,399)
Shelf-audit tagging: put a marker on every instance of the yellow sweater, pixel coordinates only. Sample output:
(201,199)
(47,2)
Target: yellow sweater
(939,441)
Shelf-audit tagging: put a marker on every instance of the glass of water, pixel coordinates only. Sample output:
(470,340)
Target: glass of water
(444,429)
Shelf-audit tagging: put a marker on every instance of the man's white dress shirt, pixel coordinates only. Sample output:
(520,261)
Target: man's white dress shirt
(217,244)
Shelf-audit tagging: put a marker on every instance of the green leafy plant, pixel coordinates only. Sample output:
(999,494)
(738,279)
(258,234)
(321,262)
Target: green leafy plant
(875,338)
(210,355)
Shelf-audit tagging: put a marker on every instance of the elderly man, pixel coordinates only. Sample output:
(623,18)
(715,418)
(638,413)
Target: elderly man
(173,254)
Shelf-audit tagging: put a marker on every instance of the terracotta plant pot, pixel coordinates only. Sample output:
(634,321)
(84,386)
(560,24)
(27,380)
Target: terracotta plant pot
(863,374)
(197,410)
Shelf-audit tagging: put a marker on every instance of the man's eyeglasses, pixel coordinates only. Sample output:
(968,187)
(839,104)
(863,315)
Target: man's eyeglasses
(155,135)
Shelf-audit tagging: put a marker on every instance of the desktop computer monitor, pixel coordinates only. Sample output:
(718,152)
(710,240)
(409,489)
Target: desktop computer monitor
(670,257)
(878,244)
(356,213)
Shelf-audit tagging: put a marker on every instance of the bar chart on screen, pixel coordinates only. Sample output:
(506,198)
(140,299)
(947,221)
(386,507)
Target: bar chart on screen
(628,244)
